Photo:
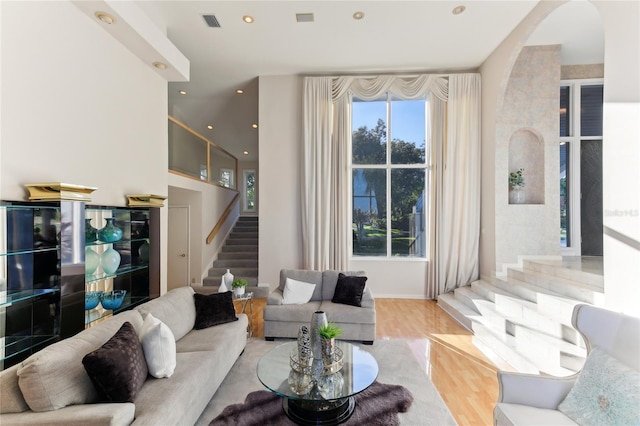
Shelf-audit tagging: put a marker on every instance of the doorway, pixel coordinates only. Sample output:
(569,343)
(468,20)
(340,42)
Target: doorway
(178,273)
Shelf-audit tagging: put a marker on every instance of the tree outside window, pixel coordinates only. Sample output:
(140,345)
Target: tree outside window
(388,185)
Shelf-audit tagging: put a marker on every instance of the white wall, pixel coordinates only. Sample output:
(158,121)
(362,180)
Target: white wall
(280,209)
(280,136)
(78,107)
(527,130)
(621,155)
(495,72)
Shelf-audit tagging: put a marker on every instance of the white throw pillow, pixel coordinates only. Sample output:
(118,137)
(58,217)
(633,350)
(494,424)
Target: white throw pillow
(159,346)
(297,292)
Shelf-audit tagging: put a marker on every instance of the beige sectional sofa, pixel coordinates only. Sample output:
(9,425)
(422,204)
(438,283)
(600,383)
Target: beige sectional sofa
(55,376)
(280,320)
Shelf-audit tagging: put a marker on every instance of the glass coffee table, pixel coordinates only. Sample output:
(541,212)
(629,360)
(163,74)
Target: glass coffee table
(317,398)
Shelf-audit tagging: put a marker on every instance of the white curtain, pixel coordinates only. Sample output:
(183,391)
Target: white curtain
(455,188)
(326,176)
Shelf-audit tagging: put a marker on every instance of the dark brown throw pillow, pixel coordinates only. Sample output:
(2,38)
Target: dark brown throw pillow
(349,290)
(118,368)
(213,309)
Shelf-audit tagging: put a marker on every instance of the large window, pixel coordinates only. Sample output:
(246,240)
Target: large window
(580,165)
(389,176)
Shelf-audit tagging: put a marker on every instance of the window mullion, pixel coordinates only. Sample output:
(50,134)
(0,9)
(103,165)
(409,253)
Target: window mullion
(388,200)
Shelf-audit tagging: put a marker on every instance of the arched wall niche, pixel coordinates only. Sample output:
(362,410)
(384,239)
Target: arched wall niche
(526,151)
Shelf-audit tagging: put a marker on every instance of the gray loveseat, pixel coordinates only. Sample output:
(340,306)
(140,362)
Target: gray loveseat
(204,357)
(357,323)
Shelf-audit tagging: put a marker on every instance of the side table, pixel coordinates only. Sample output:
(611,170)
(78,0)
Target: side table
(244,299)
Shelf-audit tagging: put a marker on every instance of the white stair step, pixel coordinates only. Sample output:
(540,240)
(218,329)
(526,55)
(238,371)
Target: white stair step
(498,296)
(572,289)
(541,341)
(458,310)
(504,346)
(547,304)
(558,268)
(495,347)
(537,349)
(525,317)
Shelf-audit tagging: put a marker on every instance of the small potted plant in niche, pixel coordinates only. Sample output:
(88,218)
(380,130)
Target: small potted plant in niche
(516,187)
(238,286)
(328,334)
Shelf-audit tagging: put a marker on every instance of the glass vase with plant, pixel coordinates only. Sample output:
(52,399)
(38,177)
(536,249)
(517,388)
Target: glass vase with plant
(328,334)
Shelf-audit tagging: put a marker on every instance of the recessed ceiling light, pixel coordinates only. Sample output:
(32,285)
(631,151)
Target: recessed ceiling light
(210,127)
(248,19)
(458,10)
(183,92)
(358,15)
(245,152)
(105,17)
(160,65)
(239,91)
(254,125)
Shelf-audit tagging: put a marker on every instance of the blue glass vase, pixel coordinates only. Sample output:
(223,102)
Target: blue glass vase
(110,233)
(91,261)
(110,260)
(90,233)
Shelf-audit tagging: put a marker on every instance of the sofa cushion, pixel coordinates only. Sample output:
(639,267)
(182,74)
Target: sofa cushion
(606,392)
(55,377)
(159,347)
(525,415)
(341,313)
(118,368)
(291,313)
(297,292)
(214,309)
(11,399)
(105,414)
(304,275)
(175,308)
(330,280)
(209,339)
(186,394)
(349,290)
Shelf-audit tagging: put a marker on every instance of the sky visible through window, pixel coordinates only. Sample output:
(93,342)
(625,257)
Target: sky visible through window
(407,117)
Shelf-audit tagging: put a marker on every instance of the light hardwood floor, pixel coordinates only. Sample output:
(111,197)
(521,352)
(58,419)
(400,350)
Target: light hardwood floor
(464,376)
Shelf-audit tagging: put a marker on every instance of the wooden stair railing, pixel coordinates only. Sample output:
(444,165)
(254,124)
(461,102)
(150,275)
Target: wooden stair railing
(222,219)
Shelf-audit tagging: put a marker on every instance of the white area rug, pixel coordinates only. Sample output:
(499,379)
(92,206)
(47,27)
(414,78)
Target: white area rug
(397,365)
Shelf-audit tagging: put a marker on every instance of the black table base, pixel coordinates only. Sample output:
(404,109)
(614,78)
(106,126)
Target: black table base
(316,413)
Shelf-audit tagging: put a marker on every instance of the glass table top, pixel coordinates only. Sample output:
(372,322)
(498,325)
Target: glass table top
(359,371)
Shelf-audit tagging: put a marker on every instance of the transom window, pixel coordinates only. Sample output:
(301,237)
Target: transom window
(389,177)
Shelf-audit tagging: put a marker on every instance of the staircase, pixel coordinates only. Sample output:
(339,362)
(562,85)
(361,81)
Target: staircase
(239,254)
(525,317)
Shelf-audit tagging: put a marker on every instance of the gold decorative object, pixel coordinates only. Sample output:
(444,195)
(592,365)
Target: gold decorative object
(145,200)
(57,191)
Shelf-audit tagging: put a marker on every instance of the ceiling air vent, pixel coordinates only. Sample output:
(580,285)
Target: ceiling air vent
(304,17)
(211,21)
